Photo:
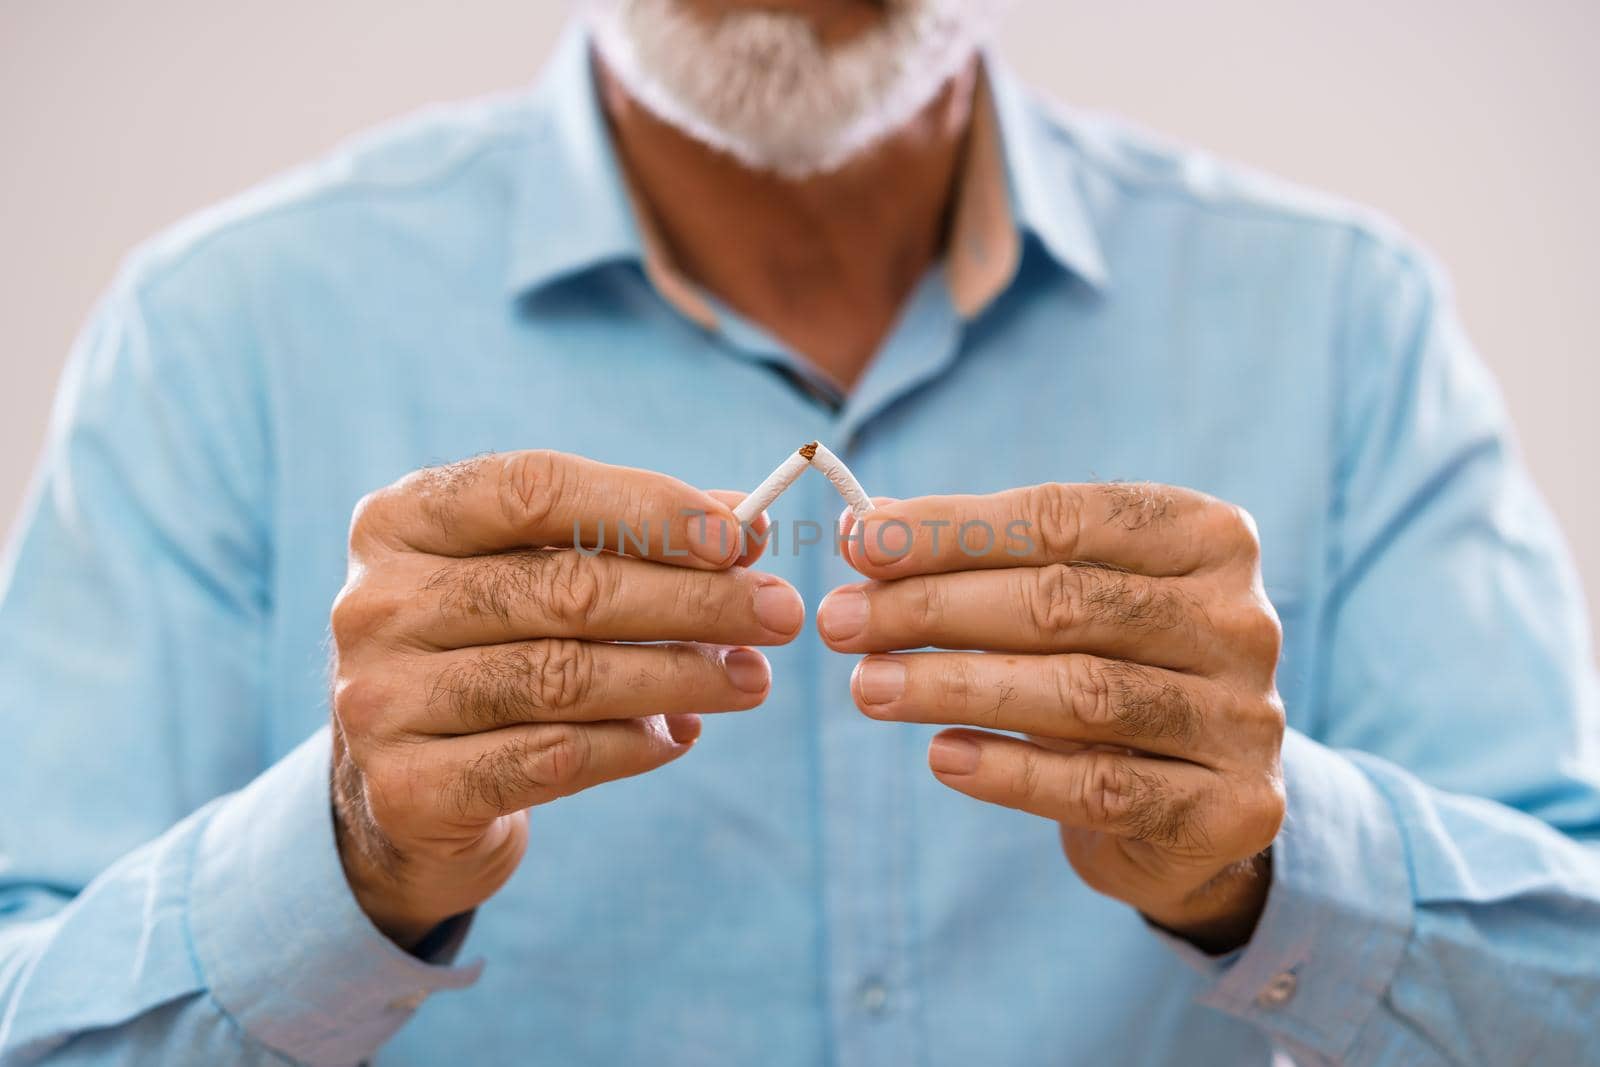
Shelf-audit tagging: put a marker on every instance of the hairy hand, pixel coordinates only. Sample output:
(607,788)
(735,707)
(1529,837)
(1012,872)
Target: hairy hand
(478,669)
(1122,630)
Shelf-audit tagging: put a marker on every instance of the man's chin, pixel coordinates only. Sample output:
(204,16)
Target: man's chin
(766,88)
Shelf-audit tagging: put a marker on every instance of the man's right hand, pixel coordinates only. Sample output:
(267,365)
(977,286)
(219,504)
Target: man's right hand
(477,669)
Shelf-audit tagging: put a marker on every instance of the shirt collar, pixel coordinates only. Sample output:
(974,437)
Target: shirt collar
(1043,177)
(574,210)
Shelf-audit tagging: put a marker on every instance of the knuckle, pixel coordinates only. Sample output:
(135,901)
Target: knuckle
(1274,809)
(504,686)
(956,680)
(1068,686)
(681,668)
(568,587)
(1057,510)
(1139,805)
(699,596)
(957,685)
(1025,787)
(1110,789)
(646,507)
(1266,631)
(352,616)
(927,603)
(1236,528)
(559,674)
(1082,690)
(367,517)
(1275,718)
(1086,692)
(530,483)
(1254,630)
(556,759)
(360,703)
(1051,598)
(375,598)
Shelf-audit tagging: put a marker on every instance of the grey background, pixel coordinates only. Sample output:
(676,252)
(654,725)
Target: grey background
(1475,123)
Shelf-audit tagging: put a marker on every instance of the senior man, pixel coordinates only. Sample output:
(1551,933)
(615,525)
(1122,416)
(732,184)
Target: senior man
(1276,643)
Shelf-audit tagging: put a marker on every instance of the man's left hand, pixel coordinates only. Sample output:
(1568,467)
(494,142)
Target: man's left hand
(1124,631)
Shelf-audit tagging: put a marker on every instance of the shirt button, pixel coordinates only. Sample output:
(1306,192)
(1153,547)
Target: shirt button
(873,996)
(1277,992)
(409,1002)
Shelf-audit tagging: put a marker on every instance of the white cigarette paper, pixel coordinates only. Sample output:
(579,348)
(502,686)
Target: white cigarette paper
(835,471)
(810,454)
(768,491)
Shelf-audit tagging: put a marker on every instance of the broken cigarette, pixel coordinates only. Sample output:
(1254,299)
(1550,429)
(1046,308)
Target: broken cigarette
(769,490)
(835,471)
(811,454)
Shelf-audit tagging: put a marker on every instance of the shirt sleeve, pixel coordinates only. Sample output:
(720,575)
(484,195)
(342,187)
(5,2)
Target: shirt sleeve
(1436,890)
(167,894)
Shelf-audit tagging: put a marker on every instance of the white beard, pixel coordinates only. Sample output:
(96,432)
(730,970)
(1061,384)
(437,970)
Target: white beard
(760,86)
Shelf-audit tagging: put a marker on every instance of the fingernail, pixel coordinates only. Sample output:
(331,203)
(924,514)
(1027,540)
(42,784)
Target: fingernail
(843,615)
(952,755)
(885,540)
(683,728)
(747,670)
(779,608)
(712,539)
(881,679)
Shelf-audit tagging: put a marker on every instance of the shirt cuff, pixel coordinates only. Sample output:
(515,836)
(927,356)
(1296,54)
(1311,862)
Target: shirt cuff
(283,945)
(1337,918)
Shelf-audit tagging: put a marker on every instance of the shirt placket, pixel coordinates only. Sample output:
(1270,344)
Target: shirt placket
(863,827)
(864,766)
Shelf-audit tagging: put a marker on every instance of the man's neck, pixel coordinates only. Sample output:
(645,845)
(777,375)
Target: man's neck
(824,264)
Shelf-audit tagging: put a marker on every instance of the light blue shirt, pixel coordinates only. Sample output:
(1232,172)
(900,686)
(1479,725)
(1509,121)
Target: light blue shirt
(799,890)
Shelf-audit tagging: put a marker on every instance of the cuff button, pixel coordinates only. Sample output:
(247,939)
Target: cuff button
(1278,990)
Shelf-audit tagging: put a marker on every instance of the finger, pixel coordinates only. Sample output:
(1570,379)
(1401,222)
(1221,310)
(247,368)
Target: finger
(1059,608)
(1157,530)
(537,499)
(847,518)
(479,777)
(1077,698)
(562,593)
(755,542)
(478,689)
(1162,802)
